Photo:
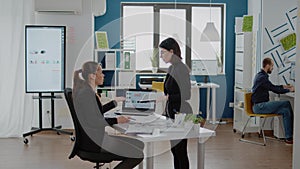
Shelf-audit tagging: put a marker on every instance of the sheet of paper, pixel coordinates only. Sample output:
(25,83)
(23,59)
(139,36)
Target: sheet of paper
(136,128)
(145,119)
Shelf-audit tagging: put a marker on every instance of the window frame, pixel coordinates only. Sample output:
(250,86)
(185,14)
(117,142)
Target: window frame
(188,7)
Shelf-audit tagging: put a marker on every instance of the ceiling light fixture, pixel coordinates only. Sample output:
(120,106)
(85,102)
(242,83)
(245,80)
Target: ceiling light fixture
(210,32)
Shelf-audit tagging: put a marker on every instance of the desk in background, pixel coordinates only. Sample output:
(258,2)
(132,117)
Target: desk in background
(195,99)
(278,127)
(290,94)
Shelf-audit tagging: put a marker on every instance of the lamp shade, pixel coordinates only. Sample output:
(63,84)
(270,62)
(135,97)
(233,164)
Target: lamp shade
(210,33)
(176,37)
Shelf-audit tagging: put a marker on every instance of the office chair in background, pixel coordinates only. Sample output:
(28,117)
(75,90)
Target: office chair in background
(250,113)
(99,158)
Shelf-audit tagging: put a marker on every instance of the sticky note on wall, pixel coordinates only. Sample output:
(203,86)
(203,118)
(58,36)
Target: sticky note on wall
(289,41)
(101,39)
(247,23)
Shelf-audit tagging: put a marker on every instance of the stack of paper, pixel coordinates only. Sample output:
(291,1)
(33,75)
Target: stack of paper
(145,119)
(138,128)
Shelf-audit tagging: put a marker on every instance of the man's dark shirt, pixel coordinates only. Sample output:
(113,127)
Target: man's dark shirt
(262,86)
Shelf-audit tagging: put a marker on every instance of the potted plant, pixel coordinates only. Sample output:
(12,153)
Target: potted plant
(195,118)
(154,60)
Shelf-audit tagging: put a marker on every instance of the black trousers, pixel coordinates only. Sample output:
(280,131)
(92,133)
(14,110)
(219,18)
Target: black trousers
(129,163)
(179,151)
(127,150)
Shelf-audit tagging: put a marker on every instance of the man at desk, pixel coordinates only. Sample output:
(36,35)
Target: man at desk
(260,98)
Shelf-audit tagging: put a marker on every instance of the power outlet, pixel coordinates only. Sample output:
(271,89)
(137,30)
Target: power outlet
(231,104)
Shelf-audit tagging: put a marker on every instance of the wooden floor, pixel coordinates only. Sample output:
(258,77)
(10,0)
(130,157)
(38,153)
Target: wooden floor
(225,151)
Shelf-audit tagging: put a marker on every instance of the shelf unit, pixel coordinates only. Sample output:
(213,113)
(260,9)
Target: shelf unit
(243,77)
(118,66)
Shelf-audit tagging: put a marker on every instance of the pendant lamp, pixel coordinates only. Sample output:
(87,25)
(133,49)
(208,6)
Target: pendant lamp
(210,32)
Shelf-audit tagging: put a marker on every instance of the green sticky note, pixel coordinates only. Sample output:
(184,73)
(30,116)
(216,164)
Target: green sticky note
(247,23)
(101,39)
(289,41)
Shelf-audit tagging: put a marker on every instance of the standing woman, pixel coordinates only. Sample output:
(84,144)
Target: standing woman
(177,90)
(90,110)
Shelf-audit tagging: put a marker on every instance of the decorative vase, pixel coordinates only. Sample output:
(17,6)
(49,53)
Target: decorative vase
(202,123)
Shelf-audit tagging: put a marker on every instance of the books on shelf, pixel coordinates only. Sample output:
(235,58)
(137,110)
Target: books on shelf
(127,60)
(110,61)
(118,66)
(107,59)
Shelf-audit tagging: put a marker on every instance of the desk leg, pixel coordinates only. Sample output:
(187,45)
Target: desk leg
(208,104)
(200,154)
(149,155)
(213,105)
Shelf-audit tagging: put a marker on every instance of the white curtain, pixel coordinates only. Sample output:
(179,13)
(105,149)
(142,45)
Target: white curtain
(16,107)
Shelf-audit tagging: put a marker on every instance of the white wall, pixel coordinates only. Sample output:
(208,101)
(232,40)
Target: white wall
(79,48)
(274,7)
(278,22)
(254,9)
(296,150)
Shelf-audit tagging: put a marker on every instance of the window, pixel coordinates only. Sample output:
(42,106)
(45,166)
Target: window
(138,27)
(172,23)
(150,23)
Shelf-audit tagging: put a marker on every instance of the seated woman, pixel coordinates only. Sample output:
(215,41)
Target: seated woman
(90,112)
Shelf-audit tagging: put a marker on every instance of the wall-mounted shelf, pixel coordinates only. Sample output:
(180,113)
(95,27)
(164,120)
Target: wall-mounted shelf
(118,66)
(243,78)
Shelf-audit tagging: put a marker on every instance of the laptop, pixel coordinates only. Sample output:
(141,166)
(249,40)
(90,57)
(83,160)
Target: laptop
(138,102)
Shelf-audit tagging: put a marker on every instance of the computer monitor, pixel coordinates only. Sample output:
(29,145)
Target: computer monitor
(138,100)
(205,67)
(141,100)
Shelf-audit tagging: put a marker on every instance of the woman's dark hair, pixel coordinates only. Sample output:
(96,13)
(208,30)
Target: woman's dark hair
(169,44)
(89,67)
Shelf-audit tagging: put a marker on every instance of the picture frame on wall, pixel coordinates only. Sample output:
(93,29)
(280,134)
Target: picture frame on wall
(101,40)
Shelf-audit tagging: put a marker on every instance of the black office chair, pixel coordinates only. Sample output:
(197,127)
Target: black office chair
(99,158)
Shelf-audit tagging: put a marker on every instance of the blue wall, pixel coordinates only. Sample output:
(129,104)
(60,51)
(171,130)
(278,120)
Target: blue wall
(234,8)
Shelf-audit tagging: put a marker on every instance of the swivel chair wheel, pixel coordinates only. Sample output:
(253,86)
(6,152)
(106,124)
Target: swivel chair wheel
(234,130)
(72,138)
(25,140)
(243,135)
(58,133)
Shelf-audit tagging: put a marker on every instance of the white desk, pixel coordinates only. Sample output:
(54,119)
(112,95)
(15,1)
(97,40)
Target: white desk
(202,136)
(212,104)
(290,94)
(278,127)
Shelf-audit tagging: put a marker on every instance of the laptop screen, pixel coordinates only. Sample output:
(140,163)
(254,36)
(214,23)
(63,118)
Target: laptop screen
(139,100)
